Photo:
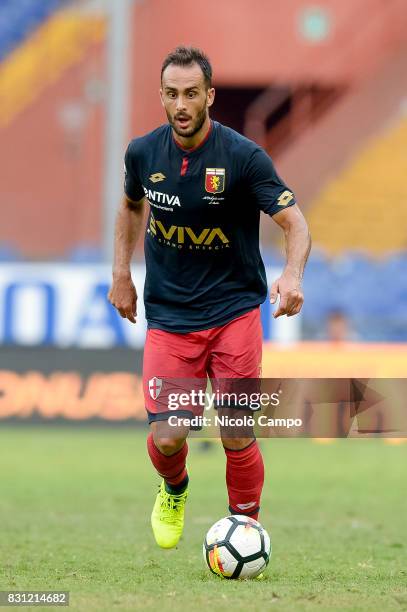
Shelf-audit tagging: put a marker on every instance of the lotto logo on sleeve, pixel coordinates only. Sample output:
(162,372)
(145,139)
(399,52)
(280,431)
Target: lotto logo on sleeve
(285,198)
(215,180)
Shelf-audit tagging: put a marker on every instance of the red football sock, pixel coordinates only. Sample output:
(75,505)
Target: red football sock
(244,479)
(170,467)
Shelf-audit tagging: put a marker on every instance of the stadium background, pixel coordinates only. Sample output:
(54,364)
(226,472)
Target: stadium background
(321,85)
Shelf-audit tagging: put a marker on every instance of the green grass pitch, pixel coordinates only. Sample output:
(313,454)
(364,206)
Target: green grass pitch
(75,506)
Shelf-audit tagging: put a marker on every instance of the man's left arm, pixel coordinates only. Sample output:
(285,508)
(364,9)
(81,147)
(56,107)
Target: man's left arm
(298,246)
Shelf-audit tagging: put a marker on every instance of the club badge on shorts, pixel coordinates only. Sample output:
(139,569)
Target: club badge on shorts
(154,386)
(215,180)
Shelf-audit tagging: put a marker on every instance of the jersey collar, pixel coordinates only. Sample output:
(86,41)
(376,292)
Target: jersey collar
(198,146)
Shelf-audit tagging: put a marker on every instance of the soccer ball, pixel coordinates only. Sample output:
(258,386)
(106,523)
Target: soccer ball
(237,547)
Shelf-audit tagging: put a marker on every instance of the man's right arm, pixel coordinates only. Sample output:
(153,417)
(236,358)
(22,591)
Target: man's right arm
(128,227)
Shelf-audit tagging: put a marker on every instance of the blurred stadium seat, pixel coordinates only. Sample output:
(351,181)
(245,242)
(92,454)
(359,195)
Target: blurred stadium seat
(8,253)
(364,207)
(371,293)
(273,257)
(18,19)
(85,253)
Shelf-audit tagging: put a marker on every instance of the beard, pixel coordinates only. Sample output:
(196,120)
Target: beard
(194,128)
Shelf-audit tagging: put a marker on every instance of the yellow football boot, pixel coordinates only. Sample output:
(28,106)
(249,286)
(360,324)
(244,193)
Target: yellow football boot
(167,518)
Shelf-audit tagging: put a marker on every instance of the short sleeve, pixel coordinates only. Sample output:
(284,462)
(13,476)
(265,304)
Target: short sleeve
(132,184)
(270,192)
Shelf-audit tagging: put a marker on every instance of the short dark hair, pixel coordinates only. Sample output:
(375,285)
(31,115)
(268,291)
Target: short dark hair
(185,56)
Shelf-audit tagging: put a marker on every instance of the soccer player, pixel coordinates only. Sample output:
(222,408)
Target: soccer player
(205,186)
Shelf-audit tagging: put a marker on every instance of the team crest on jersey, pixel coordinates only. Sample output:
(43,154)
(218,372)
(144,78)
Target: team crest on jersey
(215,180)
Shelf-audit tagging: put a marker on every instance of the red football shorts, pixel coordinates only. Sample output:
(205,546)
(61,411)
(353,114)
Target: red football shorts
(232,350)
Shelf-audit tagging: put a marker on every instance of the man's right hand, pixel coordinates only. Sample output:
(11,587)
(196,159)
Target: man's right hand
(123,296)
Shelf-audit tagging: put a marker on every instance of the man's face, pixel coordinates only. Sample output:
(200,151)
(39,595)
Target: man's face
(185,98)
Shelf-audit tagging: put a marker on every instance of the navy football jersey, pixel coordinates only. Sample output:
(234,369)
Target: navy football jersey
(203,264)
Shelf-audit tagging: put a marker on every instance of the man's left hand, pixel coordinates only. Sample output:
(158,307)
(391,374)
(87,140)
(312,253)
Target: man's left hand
(288,286)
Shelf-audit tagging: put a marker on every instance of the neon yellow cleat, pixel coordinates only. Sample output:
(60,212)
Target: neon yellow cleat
(167,518)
